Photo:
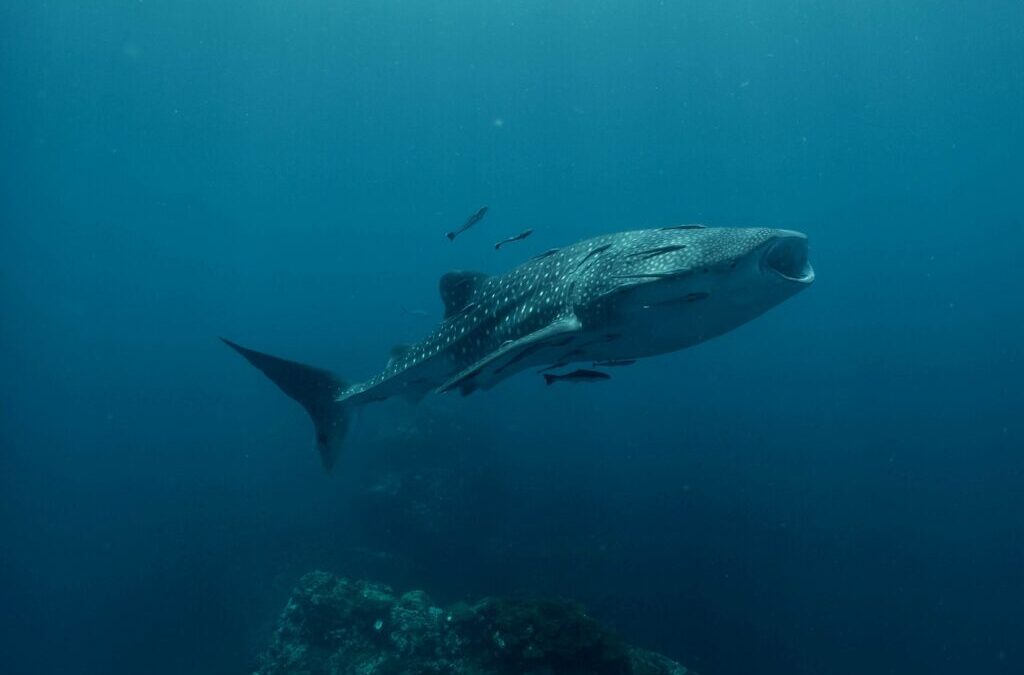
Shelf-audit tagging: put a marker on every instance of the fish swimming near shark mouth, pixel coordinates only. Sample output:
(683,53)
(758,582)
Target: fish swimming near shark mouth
(613,299)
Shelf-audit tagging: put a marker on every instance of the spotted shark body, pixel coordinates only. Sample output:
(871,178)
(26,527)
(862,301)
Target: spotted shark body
(612,298)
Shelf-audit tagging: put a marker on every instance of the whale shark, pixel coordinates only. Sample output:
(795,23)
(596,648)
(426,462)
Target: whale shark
(615,297)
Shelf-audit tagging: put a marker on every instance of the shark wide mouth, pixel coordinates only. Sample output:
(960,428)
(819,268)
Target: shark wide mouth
(787,257)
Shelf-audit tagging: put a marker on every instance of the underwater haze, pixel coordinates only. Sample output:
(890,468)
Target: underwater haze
(835,487)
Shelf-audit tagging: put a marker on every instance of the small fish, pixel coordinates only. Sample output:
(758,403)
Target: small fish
(417,313)
(581,375)
(519,237)
(614,362)
(470,222)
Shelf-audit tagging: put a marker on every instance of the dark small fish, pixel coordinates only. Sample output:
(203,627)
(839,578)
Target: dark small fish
(615,362)
(470,222)
(418,313)
(519,237)
(581,375)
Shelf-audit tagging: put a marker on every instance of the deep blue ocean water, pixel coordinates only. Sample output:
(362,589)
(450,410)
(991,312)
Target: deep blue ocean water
(836,487)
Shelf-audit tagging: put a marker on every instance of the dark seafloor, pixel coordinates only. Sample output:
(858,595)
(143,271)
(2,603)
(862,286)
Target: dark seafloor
(832,489)
(345,627)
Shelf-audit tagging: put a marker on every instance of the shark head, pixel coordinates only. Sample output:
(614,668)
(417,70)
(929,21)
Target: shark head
(752,266)
(676,287)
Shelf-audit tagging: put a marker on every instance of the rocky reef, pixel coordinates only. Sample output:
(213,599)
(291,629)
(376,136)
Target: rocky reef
(337,626)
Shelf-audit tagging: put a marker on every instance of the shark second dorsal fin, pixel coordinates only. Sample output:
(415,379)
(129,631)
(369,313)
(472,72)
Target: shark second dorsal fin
(457,288)
(397,352)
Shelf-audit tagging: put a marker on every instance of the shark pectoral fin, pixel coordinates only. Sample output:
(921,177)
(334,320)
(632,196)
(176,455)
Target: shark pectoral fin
(472,377)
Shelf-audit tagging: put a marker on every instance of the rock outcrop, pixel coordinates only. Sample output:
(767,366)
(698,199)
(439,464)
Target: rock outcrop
(336,626)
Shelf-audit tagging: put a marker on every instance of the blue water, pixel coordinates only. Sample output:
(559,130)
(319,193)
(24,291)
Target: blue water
(834,488)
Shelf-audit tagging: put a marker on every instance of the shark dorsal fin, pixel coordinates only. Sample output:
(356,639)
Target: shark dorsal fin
(397,352)
(693,226)
(457,288)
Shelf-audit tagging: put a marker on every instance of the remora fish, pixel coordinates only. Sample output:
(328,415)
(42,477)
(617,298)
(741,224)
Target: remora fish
(519,237)
(581,375)
(470,222)
(614,362)
(614,297)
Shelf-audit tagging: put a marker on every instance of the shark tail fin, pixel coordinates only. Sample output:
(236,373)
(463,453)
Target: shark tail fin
(315,389)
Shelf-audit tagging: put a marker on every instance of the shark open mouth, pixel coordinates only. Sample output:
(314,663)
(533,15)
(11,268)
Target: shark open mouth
(787,257)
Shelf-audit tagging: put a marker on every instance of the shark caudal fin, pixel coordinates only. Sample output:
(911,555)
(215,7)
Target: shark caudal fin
(315,389)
